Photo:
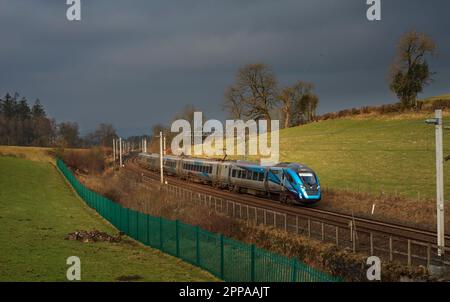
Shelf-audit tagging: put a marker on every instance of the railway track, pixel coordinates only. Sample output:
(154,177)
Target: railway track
(337,219)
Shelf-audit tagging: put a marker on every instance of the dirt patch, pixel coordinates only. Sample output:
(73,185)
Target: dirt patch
(129,278)
(93,236)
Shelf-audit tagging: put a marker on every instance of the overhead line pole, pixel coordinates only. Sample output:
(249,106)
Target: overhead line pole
(161,156)
(120,152)
(114,151)
(437,121)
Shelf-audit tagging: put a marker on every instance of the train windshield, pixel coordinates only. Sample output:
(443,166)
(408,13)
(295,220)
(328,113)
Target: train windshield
(308,178)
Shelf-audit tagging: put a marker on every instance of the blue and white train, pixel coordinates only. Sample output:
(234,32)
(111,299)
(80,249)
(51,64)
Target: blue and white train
(290,182)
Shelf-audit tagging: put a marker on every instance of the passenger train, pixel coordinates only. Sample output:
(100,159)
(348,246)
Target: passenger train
(289,182)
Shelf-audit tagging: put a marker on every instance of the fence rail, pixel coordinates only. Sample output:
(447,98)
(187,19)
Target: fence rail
(228,259)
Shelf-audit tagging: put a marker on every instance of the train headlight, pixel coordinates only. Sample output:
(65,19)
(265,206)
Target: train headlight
(302,187)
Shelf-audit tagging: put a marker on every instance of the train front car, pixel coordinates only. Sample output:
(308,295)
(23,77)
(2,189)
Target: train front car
(303,183)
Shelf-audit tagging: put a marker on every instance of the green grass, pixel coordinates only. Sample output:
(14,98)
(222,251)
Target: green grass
(391,154)
(38,209)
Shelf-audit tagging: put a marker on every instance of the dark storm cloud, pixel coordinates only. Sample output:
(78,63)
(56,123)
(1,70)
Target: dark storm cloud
(135,63)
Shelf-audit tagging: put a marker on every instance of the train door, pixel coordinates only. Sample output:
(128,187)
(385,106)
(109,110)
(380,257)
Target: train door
(275,179)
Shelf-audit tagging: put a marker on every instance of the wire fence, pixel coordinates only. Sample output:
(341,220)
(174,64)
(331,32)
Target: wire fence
(227,259)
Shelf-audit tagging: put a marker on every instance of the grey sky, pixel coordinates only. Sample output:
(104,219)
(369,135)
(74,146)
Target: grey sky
(136,63)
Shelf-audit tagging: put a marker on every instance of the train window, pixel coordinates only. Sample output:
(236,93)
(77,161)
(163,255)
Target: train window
(249,175)
(255,175)
(244,174)
(239,174)
(261,176)
(233,173)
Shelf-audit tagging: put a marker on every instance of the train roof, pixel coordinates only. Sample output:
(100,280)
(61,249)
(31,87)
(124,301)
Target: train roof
(290,165)
(295,166)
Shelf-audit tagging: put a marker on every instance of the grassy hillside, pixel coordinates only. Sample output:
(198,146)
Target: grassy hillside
(436,98)
(389,153)
(38,210)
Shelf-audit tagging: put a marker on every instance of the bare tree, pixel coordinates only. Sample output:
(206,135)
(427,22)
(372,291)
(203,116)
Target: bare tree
(410,72)
(287,100)
(254,92)
(299,103)
(234,103)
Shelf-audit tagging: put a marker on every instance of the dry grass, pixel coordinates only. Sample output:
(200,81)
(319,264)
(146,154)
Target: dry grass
(30,153)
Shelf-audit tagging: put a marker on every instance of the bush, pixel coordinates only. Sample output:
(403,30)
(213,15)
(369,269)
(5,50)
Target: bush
(88,161)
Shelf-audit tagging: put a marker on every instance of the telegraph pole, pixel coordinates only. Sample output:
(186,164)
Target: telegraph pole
(114,151)
(161,155)
(120,152)
(164,144)
(437,121)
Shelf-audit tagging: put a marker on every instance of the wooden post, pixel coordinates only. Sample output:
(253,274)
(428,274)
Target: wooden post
(409,252)
(309,227)
(337,236)
(323,231)
(391,256)
(371,244)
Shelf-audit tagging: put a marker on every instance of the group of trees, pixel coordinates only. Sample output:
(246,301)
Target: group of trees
(256,95)
(23,125)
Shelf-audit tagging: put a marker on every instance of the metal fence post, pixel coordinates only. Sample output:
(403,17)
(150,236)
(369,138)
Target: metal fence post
(252,263)
(128,222)
(197,244)
(222,257)
(148,228)
(294,270)
(161,233)
(177,238)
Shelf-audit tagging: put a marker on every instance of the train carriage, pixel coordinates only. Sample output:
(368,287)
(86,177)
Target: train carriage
(292,182)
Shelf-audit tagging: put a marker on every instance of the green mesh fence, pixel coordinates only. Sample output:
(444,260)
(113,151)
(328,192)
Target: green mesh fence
(228,259)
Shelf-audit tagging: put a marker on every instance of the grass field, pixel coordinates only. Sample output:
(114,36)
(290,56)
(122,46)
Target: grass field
(394,154)
(38,210)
